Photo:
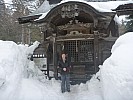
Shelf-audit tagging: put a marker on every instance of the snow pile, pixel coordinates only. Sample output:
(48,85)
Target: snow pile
(89,91)
(34,72)
(12,62)
(18,83)
(13,73)
(117,70)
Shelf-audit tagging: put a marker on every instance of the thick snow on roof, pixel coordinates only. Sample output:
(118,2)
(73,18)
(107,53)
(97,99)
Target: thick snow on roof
(99,6)
(102,6)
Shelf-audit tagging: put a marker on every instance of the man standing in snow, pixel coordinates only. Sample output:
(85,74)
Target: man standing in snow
(64,66)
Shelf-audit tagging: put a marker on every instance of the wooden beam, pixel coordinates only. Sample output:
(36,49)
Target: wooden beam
(96,50)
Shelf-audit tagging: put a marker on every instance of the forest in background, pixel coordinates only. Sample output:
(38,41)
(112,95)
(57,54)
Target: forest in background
(10,29)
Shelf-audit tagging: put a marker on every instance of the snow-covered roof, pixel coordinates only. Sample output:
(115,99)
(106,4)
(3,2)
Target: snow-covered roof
(99,6)
(45,8)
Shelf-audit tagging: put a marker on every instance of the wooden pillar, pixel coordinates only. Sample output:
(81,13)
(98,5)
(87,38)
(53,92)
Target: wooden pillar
(55,57)
(45,35)
(96,51)
(48,66)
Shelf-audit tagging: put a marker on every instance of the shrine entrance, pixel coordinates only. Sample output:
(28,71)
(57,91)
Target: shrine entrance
(85,33)
(81,51)
(77,32)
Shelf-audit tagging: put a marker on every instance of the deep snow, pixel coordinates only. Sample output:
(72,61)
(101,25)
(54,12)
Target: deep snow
(117,70)
(17,83)
(21,79)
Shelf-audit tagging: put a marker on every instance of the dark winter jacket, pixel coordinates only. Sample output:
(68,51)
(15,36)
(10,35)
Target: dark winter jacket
(62,65)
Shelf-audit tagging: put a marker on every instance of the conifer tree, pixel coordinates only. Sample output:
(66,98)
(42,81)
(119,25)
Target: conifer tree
(129,25)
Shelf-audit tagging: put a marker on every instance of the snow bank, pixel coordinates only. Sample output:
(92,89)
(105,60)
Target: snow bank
(116,76)
(10,58)
(15,83)
(117,70)
(14,70)
(12,62)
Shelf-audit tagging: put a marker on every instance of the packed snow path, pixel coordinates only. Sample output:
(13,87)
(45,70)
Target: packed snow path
(84,92)
(50,90)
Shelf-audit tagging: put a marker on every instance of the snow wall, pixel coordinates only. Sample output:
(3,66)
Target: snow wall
(117,71)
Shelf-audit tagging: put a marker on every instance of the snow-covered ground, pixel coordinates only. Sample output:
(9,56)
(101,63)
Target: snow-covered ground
(20,79)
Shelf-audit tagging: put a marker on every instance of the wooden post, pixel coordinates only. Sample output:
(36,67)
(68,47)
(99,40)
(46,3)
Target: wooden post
(22,37)
(45,35)
(55,57)
(47,65)
(96,51)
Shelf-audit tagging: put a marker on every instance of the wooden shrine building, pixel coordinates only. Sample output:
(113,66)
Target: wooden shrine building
(77,28)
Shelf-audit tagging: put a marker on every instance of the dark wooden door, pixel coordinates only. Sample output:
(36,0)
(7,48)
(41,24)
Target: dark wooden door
(81,55)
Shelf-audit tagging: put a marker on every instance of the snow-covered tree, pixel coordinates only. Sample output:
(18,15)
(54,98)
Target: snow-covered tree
(129,25)
(2,7)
